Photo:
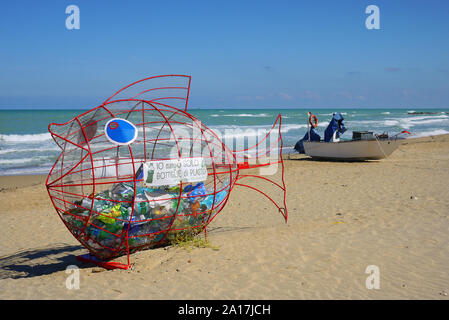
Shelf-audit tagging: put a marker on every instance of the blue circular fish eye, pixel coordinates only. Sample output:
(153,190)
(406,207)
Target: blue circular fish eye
(120,131)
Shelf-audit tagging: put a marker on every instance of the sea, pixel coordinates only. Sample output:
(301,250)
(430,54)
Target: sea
(26,146)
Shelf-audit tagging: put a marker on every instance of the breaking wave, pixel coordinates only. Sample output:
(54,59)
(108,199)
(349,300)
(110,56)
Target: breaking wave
(38,137)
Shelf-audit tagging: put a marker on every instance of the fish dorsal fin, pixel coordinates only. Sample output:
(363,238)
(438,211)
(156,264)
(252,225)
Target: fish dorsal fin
(168,90)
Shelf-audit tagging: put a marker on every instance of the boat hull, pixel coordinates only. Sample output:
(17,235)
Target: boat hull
(355,150)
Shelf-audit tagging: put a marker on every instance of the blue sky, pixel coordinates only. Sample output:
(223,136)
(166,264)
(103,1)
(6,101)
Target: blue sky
(240,54)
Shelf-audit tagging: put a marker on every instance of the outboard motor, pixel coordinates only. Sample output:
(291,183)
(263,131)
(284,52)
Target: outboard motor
(335,126)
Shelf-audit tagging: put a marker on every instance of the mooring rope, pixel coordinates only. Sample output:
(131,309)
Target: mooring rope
(381,149)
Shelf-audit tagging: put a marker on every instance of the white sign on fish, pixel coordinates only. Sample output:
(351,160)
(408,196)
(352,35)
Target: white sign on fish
(172,172)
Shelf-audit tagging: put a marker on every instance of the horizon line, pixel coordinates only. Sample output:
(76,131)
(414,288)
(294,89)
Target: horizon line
(227,108)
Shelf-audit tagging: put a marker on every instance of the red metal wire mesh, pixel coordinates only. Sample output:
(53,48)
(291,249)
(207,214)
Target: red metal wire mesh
(94,184)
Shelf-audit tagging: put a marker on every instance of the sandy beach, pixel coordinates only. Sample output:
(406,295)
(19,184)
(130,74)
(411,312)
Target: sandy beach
(343,217)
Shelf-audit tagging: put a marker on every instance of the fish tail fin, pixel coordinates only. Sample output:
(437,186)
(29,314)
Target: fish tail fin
(266,156)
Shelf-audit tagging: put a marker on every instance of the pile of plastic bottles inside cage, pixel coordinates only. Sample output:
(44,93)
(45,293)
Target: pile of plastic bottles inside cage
(107,223)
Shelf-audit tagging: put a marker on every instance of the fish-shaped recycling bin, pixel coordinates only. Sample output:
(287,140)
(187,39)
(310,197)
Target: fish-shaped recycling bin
(138,171)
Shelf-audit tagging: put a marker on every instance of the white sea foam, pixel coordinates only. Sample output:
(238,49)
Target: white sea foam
(38,137)
(22,160)
(29,170)
(235,132)
(442,116)
(429,121)
(259,115)
(429,133)
(409,122)
(391,123)
(6,151)
(386,112)
(406,123)
(330,114)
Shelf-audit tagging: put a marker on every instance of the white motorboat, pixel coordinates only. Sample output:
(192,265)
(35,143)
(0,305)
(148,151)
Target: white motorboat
(364,144)
(351,150)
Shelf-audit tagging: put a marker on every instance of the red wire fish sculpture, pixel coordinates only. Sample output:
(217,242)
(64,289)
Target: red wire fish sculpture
(138,171)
